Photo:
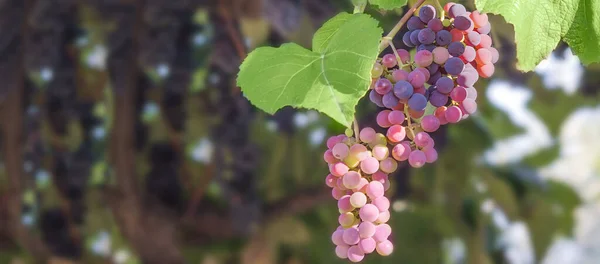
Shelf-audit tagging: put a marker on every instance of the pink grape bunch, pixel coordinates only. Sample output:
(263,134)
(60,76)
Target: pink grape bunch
(452,53)
(359,168)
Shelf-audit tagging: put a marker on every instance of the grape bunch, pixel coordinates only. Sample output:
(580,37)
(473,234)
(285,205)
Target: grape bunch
(359,169)
(452,53)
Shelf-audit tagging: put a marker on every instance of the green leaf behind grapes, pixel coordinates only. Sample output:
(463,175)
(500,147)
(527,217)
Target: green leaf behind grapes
(388,4)
(541,24)
(331,78)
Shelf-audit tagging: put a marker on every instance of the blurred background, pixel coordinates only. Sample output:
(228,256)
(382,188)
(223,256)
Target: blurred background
(125,140)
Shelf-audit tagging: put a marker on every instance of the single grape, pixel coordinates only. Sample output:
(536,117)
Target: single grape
(430,123)
(458,94)
(435,24)
(473,38)
(362,187)
(389,100)
(484,56)
(403,90)
(375,190)
(423,58)
(479,19)
(444,85)
(486,70)
(453,114)
(382,232)
(396,117)
(433,68)
(383,86)
(330,180)
(400,75)
(462,23)
(453,66)
(358,200)
(376,98)
(341,251)
(369,165)
(414,37)
(417,159)
(355,254)
(424,71)
(339,183)
(389,60)
(421,139)
(440,55)
(495,54)
(457,35)
(338,169)
(426,36)
(367,245)
(369,212)
(346,219)
(344,204)
(417,102)
(351,179)
(377,70)
(431,155)
(366,229)
(456,49)
(385,248)
(396,133)
(440,113)
(380,152)
(328,157)
(471,93)
(485,29)
(340,151)
(401,151)
(388,165)
(337,239)
(443,37)
(379,176)
(404,55)
(468,55)
(426,13)
(332,141)
(416,114)
(416,78)
(469,105)
(351,236)
(468,77)
(384,217)
(366,135)
(438,99)
(456,10)
(414,23)
(336,193)
(447,6)
(382,203)
(434,77)
(359,151)
(486,41)
(406,39)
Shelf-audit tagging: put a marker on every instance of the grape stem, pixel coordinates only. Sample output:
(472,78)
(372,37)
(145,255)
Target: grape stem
(384,44)
(408,119)
(400,63)
(441,9)
(356,131)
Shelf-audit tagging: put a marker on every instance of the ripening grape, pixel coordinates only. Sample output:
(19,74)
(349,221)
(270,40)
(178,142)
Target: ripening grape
(440,55)
(453,114)
(396,133)
(403,90)
(369,165)
(375,190)
(383,86)
(388,165)
(401,151)
(417,158)
(358,199)
(340,151)
(462,22)
(404,55)
(341,251)
(389,61)
(382,118)
(430,123)
(458,94)
(396,117)
(400,75)
(367,244)
(435,24)
(385,248)
(355,254)
(377,70)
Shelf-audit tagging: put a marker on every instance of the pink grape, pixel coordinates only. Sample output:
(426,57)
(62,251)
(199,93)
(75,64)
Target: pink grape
(404,55)
(369,165)
(382,119)
(440,113)
(425,72)
(431,155)
(383,86)
(388,165)
(396,117)
(458,94)
(379,176)
(382,232)
(341,251)
(430,123)
(328,157)
(367,245)
(416,78)
(423,58)
(479,19)
(416,114)
(344,204)
(362,186)
(367,135)
(386,185)
(440,55)
(417,159)
(340,184)
(421,139)
(346,219)
(358,200)
(486,70)
(355,254)
(337,239)
(351,179)
(375,190)
(383,217)
(336,193)
(359,151)
(486,42)
(453,114)
(332,141)
(469,105)
(368,213)
(338,169)
(340,151)
(385,248)
(401,151)
(400,75)
(366,229)
(380,152)
(351,236)
(389,60)
(382,203)
(396,133)
(484,56)
(330,180)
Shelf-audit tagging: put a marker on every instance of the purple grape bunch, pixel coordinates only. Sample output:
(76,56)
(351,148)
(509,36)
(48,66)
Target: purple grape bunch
(452,53)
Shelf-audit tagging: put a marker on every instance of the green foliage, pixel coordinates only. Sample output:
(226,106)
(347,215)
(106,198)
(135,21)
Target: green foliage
(388,4)
(540,25)
(331,78)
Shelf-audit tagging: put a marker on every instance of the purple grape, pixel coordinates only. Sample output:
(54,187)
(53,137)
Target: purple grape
(428,47)
(434,77)
(416,78)
(457,10)
(424,71)
(474,38)
(406,39)
(462,23)
(468,77)
(433,68)
(414,37)
(454,66)
(417,102)
(443,37)
(438,99)
(444,85)
(426,36)
(383,86)
(456,49)
(485,29)
(426,13)
(435,24)
(403,90)
(414,23)
(389,100)
(376,98)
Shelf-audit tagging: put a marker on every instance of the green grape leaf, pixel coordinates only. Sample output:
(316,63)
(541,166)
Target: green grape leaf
(331,79)
(388,4)
(540,25)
